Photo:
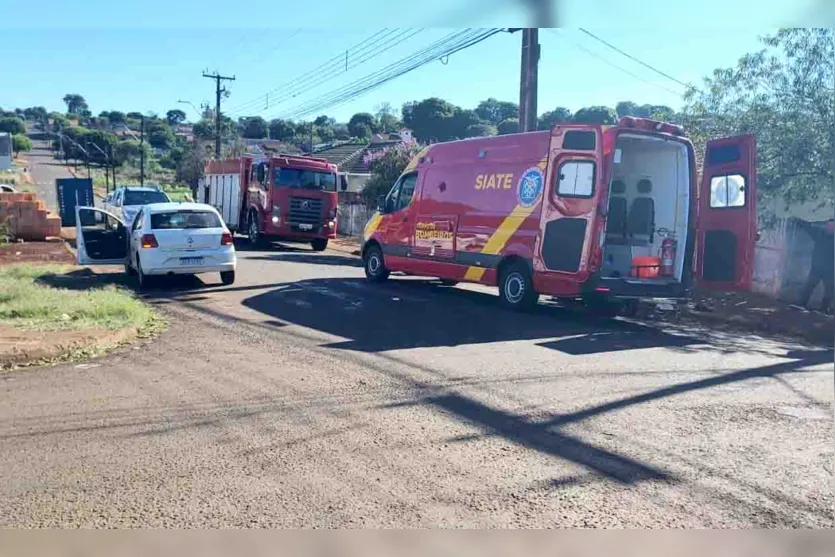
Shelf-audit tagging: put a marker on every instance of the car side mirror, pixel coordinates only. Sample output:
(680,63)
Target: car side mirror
(343,182)
(381,204)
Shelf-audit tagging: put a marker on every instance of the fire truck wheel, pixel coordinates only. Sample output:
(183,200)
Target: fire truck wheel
(375,268)
(516,287)
(252,230)
(319,244)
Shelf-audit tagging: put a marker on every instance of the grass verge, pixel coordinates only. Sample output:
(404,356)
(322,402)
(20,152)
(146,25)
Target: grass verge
(103,317)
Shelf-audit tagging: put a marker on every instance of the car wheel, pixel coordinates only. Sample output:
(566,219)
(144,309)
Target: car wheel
(319,244)
(375,267)
(143,281)
(253,232)
(516,288)
(227,277)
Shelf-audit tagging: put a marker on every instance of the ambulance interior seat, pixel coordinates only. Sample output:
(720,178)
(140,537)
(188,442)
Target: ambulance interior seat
(642,215)
(616,220)
(618,253)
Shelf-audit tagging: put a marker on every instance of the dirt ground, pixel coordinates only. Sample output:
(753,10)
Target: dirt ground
(36,252)
(18,347)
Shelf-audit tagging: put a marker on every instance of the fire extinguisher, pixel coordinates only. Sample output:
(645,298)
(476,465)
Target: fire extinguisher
(668,255)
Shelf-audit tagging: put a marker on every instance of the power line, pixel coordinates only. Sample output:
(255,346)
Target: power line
(616,49)
(324,76)
(440,49)
(382,40)
(613,65)
(358,85)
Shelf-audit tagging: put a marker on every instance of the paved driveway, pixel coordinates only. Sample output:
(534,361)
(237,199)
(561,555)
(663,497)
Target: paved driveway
(304,396)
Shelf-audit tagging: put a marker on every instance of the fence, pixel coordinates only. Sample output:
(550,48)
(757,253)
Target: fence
(352,218)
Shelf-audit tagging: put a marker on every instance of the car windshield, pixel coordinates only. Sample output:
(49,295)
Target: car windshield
(144,197)
(184,219)
(305,179)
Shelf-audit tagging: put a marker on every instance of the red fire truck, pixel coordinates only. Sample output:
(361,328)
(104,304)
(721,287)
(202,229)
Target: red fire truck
(288,198)
(603,214)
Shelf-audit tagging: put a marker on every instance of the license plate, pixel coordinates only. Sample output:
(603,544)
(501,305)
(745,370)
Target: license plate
(305,227)
(191,261)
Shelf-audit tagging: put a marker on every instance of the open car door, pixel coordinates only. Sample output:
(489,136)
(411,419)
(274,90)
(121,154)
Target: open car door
(101,238)
(727,221)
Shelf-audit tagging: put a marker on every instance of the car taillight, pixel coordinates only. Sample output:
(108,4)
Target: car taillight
(226,239)
(149,241)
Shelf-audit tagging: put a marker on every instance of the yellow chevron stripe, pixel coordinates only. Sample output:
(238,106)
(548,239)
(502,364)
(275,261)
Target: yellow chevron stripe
(372,225)
(503,233)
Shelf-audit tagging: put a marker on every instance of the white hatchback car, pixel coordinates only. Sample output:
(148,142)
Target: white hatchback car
(164,239)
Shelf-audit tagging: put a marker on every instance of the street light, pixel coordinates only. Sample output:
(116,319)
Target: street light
(199,115)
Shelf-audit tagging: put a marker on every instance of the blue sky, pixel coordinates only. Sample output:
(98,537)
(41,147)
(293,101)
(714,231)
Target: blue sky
(119,58)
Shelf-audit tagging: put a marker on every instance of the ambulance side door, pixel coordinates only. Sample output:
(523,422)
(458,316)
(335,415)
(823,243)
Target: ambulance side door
(727,217)
(570,211)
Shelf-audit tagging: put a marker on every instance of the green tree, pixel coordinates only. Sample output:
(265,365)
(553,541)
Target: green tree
(175,117)
(495,111)
(386,170)
(133,115)
(429,119)
(12,125)
(462,119)
(35,113)
(511,125)
(481,130)
(75,103)
(549,119)
(595,115)
(204,129)
(160,134)
(359,120)
(21,143)
(129,151)
(191,165)
(784,94)
(282,130)
(254,128)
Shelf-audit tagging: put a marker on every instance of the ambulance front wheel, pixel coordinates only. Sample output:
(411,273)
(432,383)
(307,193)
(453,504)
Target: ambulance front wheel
(375,268)
(516,287)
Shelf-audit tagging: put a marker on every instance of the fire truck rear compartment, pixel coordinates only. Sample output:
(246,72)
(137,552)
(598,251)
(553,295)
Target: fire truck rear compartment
(649,200)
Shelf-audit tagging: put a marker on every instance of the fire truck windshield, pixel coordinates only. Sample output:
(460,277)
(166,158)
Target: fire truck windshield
(304,179)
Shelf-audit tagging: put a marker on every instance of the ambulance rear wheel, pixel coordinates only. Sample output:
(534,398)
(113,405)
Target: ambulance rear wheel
(375,268)
(516,287)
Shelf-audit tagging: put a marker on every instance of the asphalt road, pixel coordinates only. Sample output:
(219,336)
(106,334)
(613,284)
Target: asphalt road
(304,396)
(45,169)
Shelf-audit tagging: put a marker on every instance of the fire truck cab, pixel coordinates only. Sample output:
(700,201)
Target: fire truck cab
(603,214)
(287,198)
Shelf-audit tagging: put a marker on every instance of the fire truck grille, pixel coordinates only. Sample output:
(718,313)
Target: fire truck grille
(304,210)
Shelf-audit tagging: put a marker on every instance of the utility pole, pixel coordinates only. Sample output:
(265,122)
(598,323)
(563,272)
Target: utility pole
(142,151)
(218,90)
(311,137)
(528,79)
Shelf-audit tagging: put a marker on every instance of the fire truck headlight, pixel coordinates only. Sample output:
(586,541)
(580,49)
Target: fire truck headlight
(330,224)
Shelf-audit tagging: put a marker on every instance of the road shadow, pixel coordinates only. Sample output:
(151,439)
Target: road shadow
(242,244)
(86,279)
(311,259)
(404,314)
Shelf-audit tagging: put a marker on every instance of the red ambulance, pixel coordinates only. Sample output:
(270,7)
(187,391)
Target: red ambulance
(602,214)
